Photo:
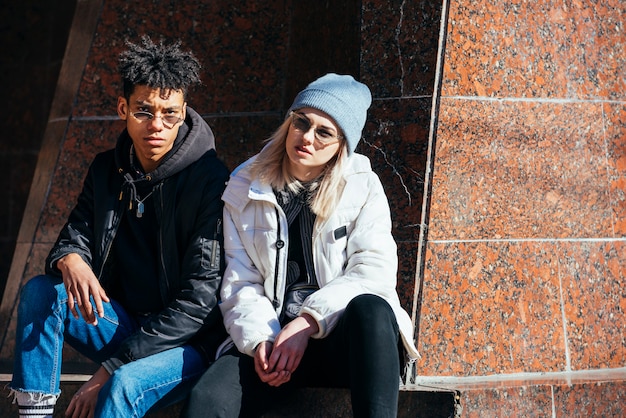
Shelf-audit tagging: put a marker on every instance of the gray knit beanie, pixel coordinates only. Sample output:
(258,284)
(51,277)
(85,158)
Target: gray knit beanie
(341,97)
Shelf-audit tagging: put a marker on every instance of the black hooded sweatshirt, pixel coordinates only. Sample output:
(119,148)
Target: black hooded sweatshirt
(186,207)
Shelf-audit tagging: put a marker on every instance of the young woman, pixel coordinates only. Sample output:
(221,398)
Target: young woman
(309,295)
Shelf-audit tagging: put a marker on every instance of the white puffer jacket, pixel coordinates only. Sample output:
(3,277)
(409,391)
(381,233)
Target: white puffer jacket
(362,259)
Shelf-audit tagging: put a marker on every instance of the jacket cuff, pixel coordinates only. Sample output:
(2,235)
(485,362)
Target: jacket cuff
(321,322)
(112,365)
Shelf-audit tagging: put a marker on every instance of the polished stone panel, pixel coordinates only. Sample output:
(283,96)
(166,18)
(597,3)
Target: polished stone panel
(508,169)
(395,140)
(602,400)
(528,175)
(241,45)
(238,138)
(399,47)
(593,277)
(615,133)
(84,139)
(34,35)
(491,308)
(405,286)
(549,49)
(523,401)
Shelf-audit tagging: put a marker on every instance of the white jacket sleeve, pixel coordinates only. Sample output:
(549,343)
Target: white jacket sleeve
(249,316)
(363,261)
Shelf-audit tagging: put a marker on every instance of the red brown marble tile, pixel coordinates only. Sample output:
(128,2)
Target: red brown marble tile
(405,287)
(593,277)
(490,308)
(239,138)
(601,399)
(550,49)
(615,128)
(520,170)
(523,401)
(395,139)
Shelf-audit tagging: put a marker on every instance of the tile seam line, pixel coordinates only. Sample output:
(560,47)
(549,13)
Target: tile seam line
(459,241)
(402,97)
(564,323)
(533,100)
(204,115)
(570,376)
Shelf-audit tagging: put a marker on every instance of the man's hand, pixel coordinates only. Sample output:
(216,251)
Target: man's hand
(274,363)
(80,283)
(83,403)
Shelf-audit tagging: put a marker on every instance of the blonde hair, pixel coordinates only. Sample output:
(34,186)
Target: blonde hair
(271,167)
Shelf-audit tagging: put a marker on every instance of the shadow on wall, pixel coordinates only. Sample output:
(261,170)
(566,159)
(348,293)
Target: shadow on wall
(34,35)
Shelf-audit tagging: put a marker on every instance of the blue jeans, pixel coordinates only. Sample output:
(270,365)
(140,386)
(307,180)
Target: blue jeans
(44,322)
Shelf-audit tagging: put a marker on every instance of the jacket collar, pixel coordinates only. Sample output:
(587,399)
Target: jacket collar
(242,188)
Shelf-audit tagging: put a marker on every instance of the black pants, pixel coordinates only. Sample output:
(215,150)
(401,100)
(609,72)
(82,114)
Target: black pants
(361,353)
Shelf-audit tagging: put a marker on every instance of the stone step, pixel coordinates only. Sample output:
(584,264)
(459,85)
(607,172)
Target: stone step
(306,403)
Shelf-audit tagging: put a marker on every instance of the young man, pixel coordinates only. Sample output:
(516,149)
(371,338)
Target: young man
(132,280)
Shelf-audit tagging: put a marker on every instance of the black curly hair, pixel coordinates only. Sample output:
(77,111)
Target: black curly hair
(160,66)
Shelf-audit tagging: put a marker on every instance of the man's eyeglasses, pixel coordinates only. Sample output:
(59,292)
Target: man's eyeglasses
(168,120)
(303,125)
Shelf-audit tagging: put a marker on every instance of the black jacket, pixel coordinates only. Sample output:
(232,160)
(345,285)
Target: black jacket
(187,187)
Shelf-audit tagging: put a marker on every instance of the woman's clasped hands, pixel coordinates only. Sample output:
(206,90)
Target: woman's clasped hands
(276,362)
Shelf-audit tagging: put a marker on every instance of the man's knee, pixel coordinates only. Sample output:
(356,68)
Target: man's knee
(121,390)
(40,292)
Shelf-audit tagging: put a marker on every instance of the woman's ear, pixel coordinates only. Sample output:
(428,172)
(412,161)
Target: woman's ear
(122,108)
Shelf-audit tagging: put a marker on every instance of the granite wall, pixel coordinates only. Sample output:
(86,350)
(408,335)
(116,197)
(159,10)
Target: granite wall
(525,262)
(497,129)
(256,57)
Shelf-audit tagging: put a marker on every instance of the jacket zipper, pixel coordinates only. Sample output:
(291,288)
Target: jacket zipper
(161,256)
(218,231)
(275,302)
(112,233)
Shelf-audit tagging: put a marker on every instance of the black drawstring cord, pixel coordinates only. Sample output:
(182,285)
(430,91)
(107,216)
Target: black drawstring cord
(130,183)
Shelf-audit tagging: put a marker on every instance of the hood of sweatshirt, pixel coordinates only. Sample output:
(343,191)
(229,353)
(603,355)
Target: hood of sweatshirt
(194,139)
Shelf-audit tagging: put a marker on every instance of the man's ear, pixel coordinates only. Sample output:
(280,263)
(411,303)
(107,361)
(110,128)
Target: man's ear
(122,108)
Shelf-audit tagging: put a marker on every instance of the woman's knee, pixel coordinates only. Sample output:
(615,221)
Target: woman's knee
(369,317)
(370,308)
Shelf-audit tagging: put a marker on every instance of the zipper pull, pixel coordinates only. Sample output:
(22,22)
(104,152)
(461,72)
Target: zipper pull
(218,229)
